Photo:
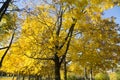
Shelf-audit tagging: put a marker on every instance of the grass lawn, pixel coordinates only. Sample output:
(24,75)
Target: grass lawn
(10,78)
(6,78)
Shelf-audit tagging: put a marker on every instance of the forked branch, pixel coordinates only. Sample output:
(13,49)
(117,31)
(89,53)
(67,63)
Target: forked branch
(11,41)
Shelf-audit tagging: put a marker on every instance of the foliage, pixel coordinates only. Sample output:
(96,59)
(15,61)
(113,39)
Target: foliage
(72,77)
(7,25)
(102,76)
(94,43)
(63,29)
(115,76)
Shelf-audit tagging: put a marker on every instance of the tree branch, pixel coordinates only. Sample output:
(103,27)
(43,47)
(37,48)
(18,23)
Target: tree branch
(4,8)
(71,32)
(7,49)
(3,47)
(66,38)
(59,21)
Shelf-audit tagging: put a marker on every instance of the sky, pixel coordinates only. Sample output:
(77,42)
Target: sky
(115,11)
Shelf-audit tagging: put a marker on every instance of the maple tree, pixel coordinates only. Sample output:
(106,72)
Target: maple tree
(98,47)
(63,30)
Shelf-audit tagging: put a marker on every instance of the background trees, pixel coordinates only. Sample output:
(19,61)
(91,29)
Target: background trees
(97,48)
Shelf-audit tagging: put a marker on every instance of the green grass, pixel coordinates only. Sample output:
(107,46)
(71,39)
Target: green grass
(6,78)
(10,78)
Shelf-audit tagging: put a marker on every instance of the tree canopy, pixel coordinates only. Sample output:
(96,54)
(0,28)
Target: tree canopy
(63,32)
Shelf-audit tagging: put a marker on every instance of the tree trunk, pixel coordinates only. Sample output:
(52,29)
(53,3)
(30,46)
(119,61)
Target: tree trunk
(40,77)
(49,78)
(23,77)
(36,77)
(112,69)
(57,71)
(13,76)
(28,77)
(18,76)
(91,74)
(57,68)
(65,70)
(85,73)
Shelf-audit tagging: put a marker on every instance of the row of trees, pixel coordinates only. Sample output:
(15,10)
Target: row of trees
(61,35)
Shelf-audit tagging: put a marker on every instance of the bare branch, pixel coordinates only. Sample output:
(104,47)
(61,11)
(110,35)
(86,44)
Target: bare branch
(59,21)
(66,38)
(7,49)
(67,47)
(3,48)
(4,8)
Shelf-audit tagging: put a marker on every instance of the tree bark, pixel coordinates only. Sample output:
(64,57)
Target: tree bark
(4,7)
(28,77)
(85,73)
(91,74)
(36,77)
(23,77)
(65,70)
(18,76)
(3,56)
(13,76)
(57,68)
(57,71)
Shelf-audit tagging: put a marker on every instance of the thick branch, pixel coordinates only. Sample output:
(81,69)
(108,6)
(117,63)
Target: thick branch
(59,25)
(7,49)
(4,8)
(60,22)
(71,32)
(38,58)
(66,38)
